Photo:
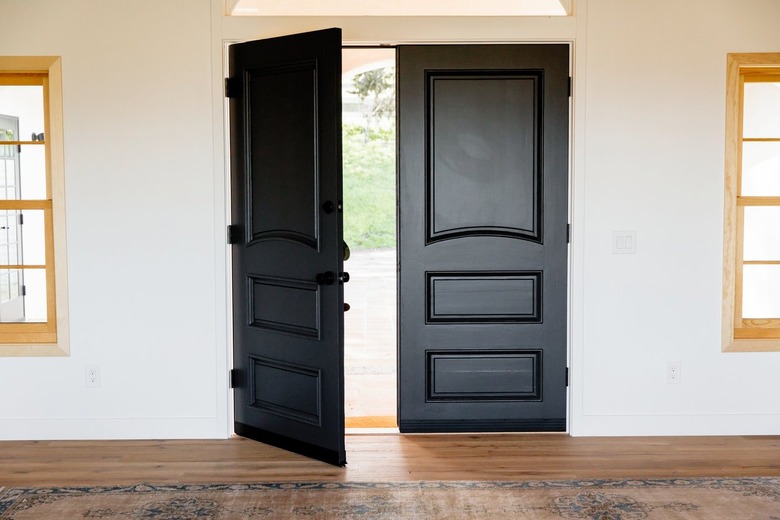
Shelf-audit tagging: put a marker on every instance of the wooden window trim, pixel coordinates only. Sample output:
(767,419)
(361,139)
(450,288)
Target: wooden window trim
(738,334)
(40,339)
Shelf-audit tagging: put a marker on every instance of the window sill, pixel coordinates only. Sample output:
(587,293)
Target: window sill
(34,350)
(752,345)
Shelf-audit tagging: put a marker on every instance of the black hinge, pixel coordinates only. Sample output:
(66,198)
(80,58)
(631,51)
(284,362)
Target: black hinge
(232,88)
(233,236)
(18,148)
(568,233)
(570,87)
(234,382)
(567,376)
(21,219)
(24,290)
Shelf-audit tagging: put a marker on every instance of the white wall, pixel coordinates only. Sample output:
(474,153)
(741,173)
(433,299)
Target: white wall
(142,248)
(653,163)
(145,203)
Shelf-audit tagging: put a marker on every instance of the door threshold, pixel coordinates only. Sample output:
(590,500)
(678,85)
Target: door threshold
(372,431)
(372,421)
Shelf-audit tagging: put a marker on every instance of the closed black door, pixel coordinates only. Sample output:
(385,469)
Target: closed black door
(483,175)
(285,110)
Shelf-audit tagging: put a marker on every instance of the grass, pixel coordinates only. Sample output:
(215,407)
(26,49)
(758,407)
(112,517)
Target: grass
(369,189)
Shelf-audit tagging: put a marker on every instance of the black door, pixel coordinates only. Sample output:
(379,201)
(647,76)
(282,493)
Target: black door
(285,111)
(483,174)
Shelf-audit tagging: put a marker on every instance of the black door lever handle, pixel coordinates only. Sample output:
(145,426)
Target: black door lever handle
(326,278)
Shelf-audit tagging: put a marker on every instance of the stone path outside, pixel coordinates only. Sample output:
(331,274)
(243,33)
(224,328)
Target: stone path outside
(370,334)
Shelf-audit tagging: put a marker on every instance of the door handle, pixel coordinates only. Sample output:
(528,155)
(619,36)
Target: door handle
(329,278)
(326,278)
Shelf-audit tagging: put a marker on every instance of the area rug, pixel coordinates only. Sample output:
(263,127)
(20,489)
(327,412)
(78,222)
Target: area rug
(738,498)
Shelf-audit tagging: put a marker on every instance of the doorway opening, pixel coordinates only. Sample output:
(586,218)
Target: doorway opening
(369,164)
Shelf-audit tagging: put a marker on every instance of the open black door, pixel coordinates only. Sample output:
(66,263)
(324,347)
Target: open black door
(483,135)
(288,321)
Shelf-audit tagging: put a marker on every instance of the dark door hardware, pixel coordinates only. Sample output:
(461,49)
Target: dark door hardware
(326,278)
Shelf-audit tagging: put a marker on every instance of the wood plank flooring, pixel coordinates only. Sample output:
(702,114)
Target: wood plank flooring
(389,457)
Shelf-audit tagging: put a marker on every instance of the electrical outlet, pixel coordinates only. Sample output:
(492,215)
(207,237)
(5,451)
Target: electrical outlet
(673,375)
(92,375)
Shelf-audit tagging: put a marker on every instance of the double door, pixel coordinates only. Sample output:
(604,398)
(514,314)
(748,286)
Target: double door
(483,155)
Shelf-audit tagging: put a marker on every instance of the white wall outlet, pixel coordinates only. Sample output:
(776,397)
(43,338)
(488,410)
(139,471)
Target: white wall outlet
(92,376)
(673,375)
(624,242)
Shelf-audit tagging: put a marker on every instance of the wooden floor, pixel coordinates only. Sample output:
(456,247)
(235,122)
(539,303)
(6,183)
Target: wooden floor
(387,458)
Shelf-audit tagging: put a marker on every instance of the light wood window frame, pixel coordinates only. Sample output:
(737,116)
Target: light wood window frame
(740,334)
(52,337)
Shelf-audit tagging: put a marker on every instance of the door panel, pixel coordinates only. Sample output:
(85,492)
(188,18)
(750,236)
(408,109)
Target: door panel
(285,112)
(483,173)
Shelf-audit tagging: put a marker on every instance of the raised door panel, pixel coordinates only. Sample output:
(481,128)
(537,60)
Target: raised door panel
(282,144)
(483,154)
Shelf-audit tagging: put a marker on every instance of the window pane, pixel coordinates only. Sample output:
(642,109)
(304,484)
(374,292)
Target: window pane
(32,248)
(760,290)
(26,104)
(762,233)
(22,237)
(10,287)
(7,134)
(761,169)
(761,116)
(5,286)
(30,182)
(16,307)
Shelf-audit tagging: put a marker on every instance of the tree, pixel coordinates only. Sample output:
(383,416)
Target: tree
(376,92)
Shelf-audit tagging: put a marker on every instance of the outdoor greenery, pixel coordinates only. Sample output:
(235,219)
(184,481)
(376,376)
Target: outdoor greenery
(369,188)
(376,91)
(369,164)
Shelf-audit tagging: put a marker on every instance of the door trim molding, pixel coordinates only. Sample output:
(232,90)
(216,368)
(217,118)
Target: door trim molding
(575,38)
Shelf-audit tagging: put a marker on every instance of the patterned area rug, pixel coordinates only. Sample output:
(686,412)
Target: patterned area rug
(739,498)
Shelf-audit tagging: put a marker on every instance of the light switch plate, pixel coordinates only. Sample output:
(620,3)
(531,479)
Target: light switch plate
(624,242)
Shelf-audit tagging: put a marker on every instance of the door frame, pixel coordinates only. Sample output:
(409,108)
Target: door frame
(574,285)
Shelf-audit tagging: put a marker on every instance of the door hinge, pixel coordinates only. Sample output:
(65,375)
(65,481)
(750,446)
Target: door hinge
(568,233)
(570,86)
(21,219)
(233,234)
(567,376)
(234,382)
(24,290)
(232,88)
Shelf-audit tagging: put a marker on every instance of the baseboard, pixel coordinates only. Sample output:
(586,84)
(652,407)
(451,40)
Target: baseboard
(113,428)
(676,425)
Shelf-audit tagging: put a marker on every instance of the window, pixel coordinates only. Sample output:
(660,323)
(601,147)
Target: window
(33,292)
(751,289)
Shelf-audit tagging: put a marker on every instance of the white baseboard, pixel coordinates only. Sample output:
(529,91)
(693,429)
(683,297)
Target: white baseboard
(673,425)
(113,428)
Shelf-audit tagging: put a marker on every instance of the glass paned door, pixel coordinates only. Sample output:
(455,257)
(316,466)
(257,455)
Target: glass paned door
(12,308)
